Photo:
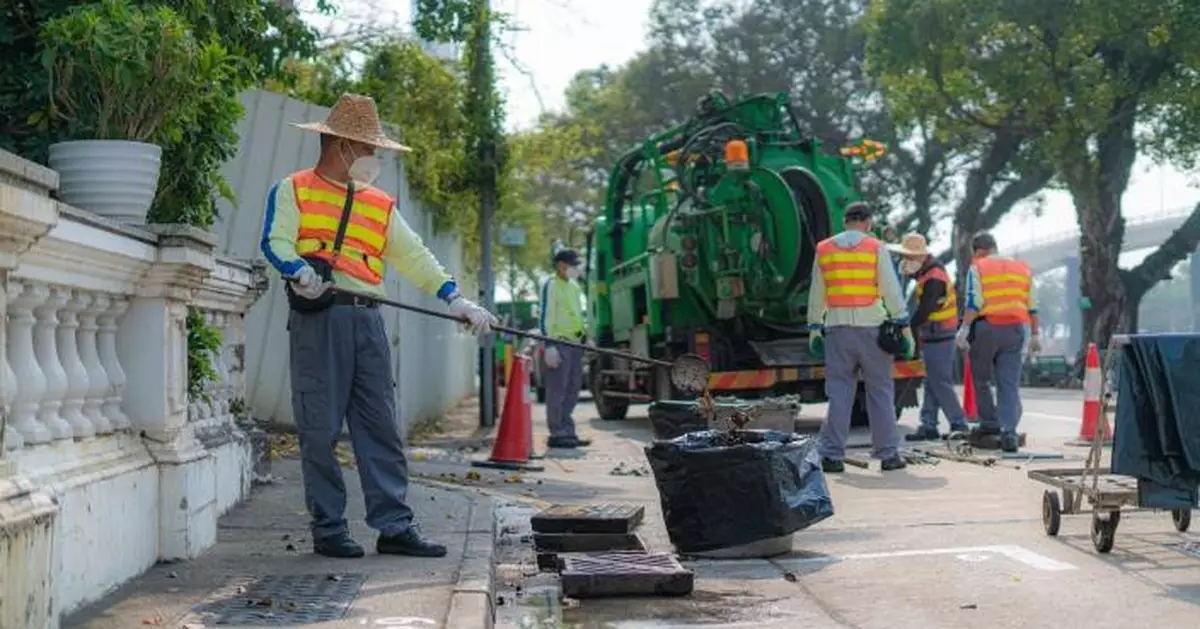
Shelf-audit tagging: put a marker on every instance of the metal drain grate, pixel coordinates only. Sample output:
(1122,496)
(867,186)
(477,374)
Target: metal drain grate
(281,600)
(624,573)
(1191,549)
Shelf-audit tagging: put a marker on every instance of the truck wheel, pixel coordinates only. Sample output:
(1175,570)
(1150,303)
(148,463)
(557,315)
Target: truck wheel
(609,408)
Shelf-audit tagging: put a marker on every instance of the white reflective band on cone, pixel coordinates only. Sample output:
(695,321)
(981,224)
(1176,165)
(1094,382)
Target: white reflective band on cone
(1092,382)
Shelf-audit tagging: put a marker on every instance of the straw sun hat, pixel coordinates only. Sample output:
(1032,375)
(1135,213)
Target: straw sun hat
(355,117)
(911,245)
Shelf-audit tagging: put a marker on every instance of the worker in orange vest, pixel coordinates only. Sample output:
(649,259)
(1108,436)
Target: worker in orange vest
(328,227)
(935,321)
(854,301)
(999,326)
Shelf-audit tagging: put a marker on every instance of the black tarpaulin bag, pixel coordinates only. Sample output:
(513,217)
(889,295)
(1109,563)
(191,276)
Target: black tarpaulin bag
(1156,436)
(720,489)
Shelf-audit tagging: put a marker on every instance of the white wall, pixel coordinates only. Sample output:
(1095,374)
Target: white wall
(434,363)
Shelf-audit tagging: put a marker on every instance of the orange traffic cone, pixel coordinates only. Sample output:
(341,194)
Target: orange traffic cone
(1093,382)
(514,438)
(970,408)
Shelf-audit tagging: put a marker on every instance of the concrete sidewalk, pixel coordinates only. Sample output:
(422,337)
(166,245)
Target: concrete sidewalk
(263,567)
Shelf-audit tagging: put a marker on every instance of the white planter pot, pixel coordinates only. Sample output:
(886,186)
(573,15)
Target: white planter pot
(116,179)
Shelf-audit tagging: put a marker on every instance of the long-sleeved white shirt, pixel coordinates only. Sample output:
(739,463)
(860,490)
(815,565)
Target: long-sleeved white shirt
(891,305)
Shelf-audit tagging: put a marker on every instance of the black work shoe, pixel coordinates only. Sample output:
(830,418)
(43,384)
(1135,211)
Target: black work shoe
(1009,442)
(339,547)
(561,442)
(924,433)
(829,466)
(410,543)
(892,463)
(582,443)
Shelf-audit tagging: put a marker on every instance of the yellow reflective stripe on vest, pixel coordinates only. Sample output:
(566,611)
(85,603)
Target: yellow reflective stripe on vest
(846,256)
(306,246)
(375,213)
(370,238)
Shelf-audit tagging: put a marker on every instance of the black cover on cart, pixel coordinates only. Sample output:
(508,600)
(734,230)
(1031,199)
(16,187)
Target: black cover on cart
(727,488)
(1157,431)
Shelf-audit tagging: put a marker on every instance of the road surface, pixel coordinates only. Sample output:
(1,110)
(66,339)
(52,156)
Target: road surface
(940,546)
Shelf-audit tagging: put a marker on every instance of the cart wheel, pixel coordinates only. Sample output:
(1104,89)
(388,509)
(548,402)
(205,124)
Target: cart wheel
(1051,512)
(1182,519)
(1104,531)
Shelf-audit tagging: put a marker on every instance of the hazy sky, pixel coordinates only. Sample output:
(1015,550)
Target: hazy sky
(562,37)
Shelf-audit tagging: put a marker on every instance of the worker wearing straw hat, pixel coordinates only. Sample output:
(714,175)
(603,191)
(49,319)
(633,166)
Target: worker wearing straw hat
(935,322)
(325,227)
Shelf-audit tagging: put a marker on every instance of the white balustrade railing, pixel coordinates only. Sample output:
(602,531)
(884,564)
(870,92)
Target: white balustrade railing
(94,401)
(64,378)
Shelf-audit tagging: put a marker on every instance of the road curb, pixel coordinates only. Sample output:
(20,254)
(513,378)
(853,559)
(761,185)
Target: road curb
(480,491)
(472,600)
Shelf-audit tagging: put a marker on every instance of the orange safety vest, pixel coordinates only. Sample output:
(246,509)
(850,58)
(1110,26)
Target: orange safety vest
(946,316)
(1005,285)
(851,275)
(321,203)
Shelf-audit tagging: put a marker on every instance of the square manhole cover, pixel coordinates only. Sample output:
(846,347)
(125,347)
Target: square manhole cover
(279,600)
(589,518)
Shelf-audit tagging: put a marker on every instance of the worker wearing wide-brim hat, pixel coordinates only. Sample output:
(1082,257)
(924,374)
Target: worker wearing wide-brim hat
(935,323)
(328,227)
(854,296)
(999,325)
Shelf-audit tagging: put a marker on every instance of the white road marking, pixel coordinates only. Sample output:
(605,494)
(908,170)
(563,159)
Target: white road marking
(1051,416)
(1016,553)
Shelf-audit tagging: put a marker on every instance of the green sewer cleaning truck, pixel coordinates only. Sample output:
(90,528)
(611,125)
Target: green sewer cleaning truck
(707,244)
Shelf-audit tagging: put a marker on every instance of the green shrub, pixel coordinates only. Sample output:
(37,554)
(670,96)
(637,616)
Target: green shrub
(119,72)
(203,345)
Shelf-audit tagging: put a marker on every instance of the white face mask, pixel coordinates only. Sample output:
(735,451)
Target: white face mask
(573,272)
(910,267)
(364,169)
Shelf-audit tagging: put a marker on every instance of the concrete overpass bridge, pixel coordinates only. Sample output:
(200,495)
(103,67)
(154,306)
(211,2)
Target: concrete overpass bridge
(1062,249)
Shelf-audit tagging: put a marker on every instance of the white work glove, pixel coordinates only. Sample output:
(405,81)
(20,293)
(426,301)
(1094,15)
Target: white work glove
(552,358)
(478,320)
(1035,344)
(960,338)
(308,284)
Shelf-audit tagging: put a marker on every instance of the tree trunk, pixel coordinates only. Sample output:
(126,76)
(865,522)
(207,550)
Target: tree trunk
(1102,233)
(1133,306)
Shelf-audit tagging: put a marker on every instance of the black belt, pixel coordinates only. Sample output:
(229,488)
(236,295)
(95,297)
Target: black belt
(342,299)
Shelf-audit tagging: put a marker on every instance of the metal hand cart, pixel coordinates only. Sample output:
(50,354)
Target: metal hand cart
(1107,493)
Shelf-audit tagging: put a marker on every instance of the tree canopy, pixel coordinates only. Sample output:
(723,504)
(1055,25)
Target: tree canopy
(1084,86)
(815,50)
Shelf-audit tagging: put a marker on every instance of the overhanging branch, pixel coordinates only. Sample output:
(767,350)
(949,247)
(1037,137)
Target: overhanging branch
(1157,266)
(1029,183)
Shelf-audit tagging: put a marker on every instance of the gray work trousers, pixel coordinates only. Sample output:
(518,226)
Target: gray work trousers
(562,391)
(849,350)
(342,370)
(996,356)
(938,357)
